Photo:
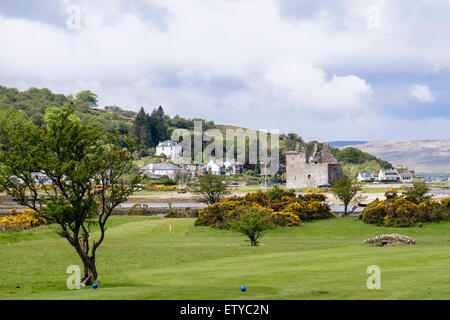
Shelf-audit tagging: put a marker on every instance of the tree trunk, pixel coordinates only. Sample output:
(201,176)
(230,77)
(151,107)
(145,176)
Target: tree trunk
(90,271)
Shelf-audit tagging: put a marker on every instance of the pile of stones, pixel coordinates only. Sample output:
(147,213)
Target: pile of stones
(390,240)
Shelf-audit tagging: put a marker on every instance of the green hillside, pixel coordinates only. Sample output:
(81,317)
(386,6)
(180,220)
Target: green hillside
(34,105)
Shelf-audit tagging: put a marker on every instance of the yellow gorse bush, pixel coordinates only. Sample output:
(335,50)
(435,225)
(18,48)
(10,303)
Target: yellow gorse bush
(21,221)
(160,187)
(285,211)
(400,212)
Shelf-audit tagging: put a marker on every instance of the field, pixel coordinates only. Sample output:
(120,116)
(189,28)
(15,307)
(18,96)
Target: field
(143,259)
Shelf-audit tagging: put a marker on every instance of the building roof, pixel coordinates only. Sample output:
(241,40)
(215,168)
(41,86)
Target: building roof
(389,171)
(161,166)
(165,166)
(406,174)
(167,143)
(367,174)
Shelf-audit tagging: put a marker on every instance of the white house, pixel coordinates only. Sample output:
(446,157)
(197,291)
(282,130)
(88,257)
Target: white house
(216,167)
(406,176)
(160,169)
(170,149)
(365,176)
(232,167)
(229,167)
(388,175)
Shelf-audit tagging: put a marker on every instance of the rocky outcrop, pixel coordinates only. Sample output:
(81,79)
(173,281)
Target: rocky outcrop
(390,240)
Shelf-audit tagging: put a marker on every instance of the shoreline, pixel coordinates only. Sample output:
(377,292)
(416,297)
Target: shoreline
(160,202)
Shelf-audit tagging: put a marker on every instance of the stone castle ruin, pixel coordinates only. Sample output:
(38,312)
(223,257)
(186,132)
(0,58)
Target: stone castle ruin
(303,171)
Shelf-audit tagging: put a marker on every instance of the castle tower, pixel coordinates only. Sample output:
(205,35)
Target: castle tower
(317,156)
(323,168)
(327,155)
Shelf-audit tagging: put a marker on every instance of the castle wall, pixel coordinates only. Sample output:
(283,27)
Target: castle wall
(303,174)
(334,172)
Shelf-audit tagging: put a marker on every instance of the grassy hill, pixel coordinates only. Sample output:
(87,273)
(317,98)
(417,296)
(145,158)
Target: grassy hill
(33,105)
(142,259)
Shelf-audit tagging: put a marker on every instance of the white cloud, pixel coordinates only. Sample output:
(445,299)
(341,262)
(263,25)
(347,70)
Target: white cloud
(303,86)
(421,93)
(231,61)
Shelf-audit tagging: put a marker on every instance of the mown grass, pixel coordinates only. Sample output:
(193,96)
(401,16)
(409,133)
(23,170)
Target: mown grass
(145,258)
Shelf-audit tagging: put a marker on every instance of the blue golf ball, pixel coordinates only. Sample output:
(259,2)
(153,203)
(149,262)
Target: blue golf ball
(95,286)
(243,288)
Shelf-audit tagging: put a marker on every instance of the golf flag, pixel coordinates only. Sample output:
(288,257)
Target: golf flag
(170,227)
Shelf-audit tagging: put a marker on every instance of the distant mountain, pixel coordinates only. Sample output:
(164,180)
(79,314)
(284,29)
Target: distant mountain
(424,156)
(340,144)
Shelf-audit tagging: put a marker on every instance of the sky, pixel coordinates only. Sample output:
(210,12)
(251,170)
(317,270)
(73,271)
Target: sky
(327,70)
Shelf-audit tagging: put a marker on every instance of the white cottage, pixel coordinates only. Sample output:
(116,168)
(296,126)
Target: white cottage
(170,149)
(366,176)
(216,167)
(388,175)
(160,169)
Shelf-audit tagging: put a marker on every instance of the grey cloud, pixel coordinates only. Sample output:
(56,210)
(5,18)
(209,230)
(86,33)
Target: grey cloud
(45,11)
(306,9)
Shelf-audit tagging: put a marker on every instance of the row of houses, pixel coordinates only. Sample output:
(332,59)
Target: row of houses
(229,168)
(172,150)
(399,175)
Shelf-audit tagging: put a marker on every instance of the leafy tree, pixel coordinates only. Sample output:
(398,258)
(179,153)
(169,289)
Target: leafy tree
(352,155)
(278,193)
(76,158)
(142,128)
(86,97)
(417,192)
(211,188)
(345,190)
(183,176)
(254,224)
(159,127)
(54,114)
(229,170)
(9,119)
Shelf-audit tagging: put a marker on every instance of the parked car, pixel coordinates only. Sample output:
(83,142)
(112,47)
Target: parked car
(324,186)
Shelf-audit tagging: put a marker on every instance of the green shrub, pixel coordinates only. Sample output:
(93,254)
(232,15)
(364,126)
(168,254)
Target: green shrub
(313,197)
(374,213)
(417,192)
(286,211)
(139,210)
(254,223)
(278,193)
(402,212)
(182,213)
(285,219)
